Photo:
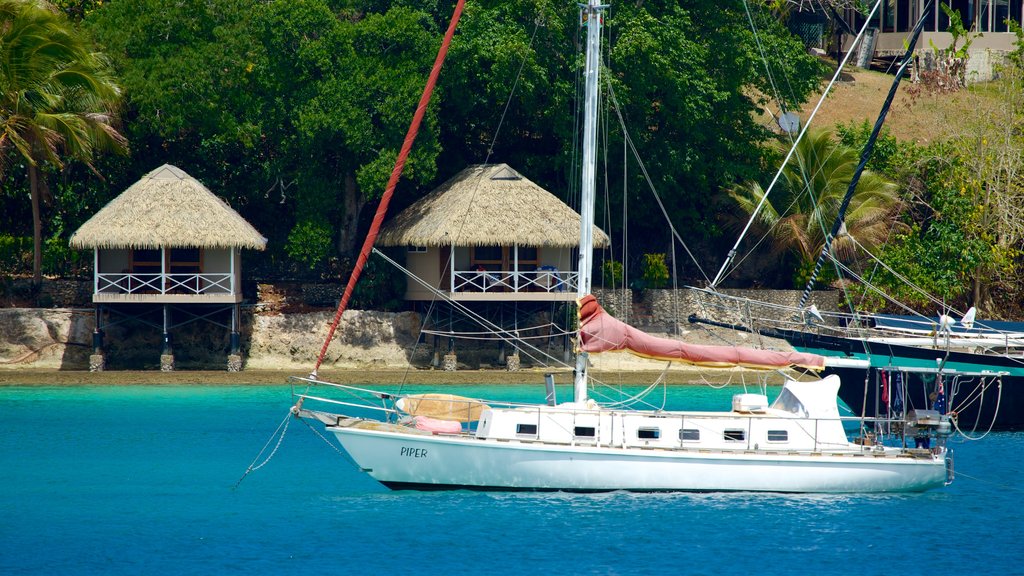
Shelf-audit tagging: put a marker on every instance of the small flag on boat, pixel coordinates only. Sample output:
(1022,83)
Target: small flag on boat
(897,394)
(940,397)
(885,390)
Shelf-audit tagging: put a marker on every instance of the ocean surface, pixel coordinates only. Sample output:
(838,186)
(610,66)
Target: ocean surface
(141,480)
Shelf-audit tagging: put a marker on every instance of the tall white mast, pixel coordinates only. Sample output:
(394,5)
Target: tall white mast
(591,15)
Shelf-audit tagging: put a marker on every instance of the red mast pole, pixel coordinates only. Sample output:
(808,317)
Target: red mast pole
(396,173)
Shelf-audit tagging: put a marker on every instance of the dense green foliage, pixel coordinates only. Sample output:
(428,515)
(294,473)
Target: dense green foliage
(57,98)
(294,111)
(800,212)
(947,245)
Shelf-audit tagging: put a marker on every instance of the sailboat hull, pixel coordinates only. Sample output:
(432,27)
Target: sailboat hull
(438,462)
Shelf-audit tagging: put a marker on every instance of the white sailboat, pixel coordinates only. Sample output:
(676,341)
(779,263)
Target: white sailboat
(797,443)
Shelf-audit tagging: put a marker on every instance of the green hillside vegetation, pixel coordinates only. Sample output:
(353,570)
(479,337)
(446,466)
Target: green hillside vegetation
(294,112)
(956,158)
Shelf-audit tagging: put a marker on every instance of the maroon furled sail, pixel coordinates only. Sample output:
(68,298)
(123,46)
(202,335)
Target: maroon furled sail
(396,172)
(601,332)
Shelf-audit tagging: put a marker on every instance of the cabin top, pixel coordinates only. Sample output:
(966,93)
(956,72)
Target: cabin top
(487,205)
(165,208)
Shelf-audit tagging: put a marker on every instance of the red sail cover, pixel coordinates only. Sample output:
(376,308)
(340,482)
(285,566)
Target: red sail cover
(600,332)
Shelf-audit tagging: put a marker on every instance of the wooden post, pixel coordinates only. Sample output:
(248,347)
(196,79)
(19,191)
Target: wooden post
(235,357)
(167,355)
(97,362)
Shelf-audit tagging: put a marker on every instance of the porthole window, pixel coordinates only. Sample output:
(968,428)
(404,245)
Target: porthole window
(528,429)
(778,435)
(735,435)
(648,433)
(689,435)
(585,431)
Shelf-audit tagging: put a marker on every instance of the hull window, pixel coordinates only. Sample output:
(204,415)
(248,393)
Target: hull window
(735,435)
(778,435)
(648,433)
(585,431)
(526,429)
(689,435)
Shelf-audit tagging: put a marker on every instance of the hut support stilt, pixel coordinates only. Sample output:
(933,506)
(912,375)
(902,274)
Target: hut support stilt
(167,354)
(451,361)
(235,357)
(96,360)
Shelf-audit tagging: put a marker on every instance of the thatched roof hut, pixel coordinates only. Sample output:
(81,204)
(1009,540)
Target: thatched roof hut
(487,205)
(167,207)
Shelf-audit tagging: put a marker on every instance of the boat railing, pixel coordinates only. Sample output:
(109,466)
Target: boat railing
(157,283)
(544,279)
(872,432)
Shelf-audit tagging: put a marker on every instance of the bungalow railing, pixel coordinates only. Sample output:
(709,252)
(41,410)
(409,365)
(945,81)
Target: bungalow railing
(155,283)
(541,280)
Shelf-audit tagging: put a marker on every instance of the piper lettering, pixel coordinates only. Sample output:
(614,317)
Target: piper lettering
(414,452)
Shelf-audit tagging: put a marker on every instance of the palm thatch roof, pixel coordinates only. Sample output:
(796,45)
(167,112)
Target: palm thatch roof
(487,205)
(167,207)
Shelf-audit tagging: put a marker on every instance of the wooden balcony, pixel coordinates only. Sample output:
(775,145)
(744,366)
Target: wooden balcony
(544,284)
(214,288)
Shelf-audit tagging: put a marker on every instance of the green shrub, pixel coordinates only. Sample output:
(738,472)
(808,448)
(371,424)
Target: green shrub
(611,273)
(309,243)
(15,254)
(381,286)
(654,271)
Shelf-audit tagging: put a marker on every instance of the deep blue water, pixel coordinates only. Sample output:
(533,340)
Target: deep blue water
(138,480)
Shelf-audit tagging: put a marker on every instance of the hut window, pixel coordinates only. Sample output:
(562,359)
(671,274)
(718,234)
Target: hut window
(529,257)
(186,260)
(489,257)
(417,249)
(146,262)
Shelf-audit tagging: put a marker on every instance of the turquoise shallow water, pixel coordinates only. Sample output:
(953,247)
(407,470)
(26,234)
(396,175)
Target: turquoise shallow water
(138,480)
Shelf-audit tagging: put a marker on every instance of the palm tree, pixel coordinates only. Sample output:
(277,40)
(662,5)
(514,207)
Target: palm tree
(56,98)
(801,210)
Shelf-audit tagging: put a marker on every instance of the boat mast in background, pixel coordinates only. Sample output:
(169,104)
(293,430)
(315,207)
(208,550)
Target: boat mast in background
(591,16)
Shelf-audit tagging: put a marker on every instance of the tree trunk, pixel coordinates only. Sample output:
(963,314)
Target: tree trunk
(37,228)
(352,204)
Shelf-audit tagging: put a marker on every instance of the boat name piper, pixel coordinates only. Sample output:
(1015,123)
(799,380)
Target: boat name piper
(414,452)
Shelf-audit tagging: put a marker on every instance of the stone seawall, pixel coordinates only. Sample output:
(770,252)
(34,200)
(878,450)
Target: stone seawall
(62,339)
(274,336)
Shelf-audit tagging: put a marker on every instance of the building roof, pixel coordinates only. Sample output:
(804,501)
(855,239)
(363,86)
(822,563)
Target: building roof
(487,205)
(167,207)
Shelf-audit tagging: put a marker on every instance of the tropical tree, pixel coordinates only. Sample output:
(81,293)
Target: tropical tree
(56,98)
(801,211)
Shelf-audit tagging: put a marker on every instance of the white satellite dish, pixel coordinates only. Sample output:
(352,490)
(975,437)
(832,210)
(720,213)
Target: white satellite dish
(789,122)
(968,320)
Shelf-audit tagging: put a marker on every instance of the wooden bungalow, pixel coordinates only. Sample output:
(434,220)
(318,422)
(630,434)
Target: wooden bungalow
(167,241)
(490,234)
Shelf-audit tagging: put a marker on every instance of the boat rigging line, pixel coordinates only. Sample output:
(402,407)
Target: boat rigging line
(389,191)
(647,177)
(722,272)
(869,146)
